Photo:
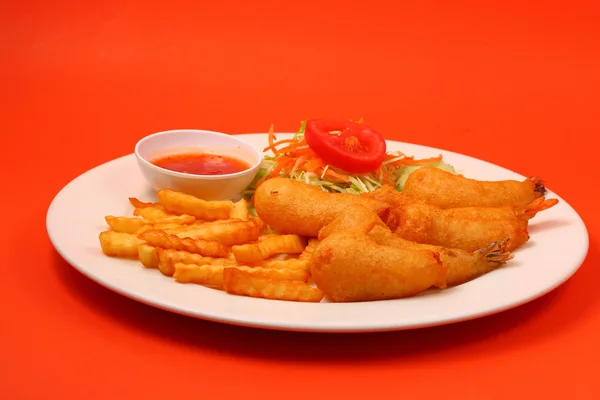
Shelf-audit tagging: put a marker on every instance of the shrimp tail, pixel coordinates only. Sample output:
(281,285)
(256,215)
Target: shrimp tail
(539,187)
(538,205)
(496,254)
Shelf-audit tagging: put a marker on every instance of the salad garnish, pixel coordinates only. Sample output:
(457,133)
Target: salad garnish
(338,156)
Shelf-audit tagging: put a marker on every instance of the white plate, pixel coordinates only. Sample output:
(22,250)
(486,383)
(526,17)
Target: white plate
(75,218)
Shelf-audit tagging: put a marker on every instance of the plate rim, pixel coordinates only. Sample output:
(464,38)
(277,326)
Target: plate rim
(304,327)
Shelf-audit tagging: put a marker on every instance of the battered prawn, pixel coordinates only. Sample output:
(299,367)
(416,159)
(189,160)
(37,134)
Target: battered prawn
(462,266)
(355,217)
(466,228)
(426,224)
(522,213)
(349,266)
(291,207)
(396,200)
(446,190)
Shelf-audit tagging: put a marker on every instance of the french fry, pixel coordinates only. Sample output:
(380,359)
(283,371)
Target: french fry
(222,261)
(278,274)
(197,224)
(167,258)
(140,204)
(177,219)
(180,203)
(159,227)
(126,224)
(290,244)
(185,257)
(260,224)
(134,225)
(218,221)
(207,275)
(279,244)
(243,283)
(239,210)
(152,212)
(199,246)
(212,275)
(229,234)
(119,244)
(266,236)
(148,255)
(310,247)
(292,264)
(247,253)
(165,264)
(158,213)
(189,239)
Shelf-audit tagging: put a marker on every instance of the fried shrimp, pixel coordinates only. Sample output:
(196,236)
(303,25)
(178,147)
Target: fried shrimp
(522,213)
(427,224)
(292,207)
(396,200)
(462,266)
(465,228)
(446,190)
(355,217)
(349,266)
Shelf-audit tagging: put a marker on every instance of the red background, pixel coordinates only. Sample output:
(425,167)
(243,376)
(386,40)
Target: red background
(512,82)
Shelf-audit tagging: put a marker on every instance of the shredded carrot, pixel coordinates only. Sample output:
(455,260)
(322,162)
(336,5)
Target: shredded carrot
(392,156)
(405,160)
(291,147)
(274,145)
(313,164)
(272,138)
(386,173)
(281,164)
(412,161)
(305,151)
(334,174)
(387,180)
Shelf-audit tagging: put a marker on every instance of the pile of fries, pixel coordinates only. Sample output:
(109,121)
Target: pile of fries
(216,244)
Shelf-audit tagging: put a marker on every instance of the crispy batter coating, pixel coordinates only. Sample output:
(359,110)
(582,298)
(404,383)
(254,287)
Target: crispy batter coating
(462,266)
(355,216)
(431,225)
(348,266)
(292,207)
(446,190)
(522,213)
(467,228)
(397,200)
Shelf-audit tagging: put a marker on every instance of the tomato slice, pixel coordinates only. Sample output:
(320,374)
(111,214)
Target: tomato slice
(349,146)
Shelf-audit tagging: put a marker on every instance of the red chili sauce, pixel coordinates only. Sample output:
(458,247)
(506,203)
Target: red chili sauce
(201,164)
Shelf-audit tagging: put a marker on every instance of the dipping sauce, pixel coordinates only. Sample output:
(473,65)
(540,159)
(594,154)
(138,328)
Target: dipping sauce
(201,164)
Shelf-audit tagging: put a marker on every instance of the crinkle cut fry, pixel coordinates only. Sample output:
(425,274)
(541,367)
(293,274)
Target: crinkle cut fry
(243,283)
(203,247)
(182,203)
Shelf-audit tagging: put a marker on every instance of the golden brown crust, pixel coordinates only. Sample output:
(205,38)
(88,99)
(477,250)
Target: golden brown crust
(446,190)
(289,206)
